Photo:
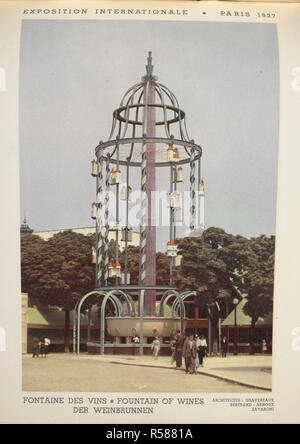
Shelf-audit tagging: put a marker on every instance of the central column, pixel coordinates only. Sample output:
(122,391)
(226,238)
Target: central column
(150,295)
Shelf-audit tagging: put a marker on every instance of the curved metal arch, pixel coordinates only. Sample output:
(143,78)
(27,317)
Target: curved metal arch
(74,326)
(182,313)
(183,297)
(185,294)
(116,145)
(114,122)
(121,104)
(172,102)
(127,111)
(116,303)
(182,129)
(77,311)
(164,96)
(185,135)
(165,111)
(102,319)
(181,117)
(134,126)
(170,95)
(166,297)
(185,127)
(129,90)
(128,298)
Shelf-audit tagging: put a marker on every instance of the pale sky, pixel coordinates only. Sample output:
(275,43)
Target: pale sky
(224,75)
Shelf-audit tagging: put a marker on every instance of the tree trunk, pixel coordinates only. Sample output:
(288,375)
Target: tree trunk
(252,351)
(215,336)
(67,331)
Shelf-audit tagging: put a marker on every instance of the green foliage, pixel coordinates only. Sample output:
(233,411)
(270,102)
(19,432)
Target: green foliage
(259,280)
(58,271)
(206,266)
(162,266)
(162,269)
(218,264)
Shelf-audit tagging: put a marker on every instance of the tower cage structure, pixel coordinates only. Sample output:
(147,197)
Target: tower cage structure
(148,141)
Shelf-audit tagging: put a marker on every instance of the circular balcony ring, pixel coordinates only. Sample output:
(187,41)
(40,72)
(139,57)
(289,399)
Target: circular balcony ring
(120,114)
(127,157)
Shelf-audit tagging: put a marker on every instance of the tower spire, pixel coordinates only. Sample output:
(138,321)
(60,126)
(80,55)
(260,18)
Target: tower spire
(149,69)
(149,66)
(25,228)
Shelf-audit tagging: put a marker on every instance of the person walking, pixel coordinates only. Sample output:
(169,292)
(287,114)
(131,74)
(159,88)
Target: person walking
(45,346)
(42,348)
(197,363)
(179,341)
(264,347)
(189,352)
(201,345)
(156,347)
(36,347)
(224,347)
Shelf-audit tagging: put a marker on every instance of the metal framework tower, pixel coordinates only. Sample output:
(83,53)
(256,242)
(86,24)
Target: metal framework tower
(148,137)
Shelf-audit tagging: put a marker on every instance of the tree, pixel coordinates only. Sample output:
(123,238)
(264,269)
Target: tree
(58,272)
(219,266)
(162,269)
(204,268)
(33,266)
(259,282)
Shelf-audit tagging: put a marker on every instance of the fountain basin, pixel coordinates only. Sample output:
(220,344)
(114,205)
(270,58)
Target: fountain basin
(153,326)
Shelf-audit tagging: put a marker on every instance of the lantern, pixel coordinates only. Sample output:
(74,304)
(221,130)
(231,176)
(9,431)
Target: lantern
(94,210)
(93,255)
(114,270)
(178,175)
(126,191)
(115,176)
(125,278)
(178,215)
(94,168)
(173,200)
(201,187)
(171,249)
(127,232)
(172,154)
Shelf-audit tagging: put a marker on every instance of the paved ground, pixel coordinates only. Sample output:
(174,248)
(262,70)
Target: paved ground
(254,370)
(85,373)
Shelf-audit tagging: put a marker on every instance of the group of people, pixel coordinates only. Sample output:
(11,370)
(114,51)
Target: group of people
(191,348)
(40,347)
